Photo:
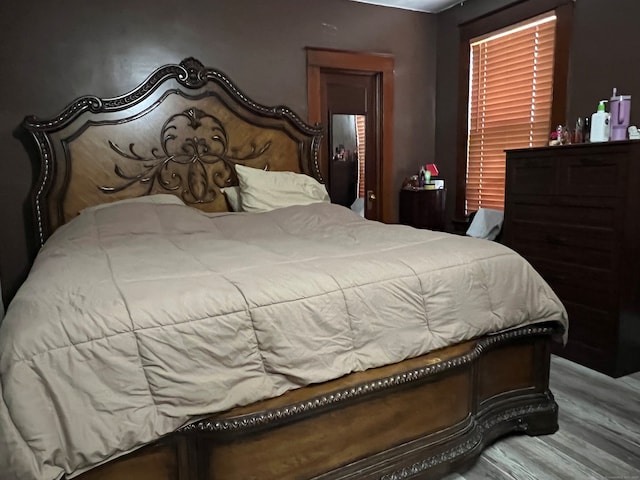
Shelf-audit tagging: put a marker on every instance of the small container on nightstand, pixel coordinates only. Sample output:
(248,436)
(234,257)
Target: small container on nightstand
(421,208)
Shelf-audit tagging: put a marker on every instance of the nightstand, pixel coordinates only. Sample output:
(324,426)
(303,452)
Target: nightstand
(423,208)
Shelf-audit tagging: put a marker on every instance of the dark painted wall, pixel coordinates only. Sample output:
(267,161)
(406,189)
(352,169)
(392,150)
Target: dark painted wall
(604,54)
(52,52)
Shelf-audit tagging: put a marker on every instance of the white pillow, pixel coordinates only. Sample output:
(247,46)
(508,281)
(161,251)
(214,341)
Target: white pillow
(233,197)
(358,206)
(159,198)
(262,190)
(486,223)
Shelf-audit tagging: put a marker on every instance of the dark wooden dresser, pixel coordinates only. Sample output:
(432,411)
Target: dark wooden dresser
(423,208)
(574,213)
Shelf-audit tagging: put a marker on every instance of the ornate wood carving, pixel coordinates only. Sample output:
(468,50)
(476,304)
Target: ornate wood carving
(245,423)
(219,447)
(193,169)
(180,164)
(190,73)
(481,433)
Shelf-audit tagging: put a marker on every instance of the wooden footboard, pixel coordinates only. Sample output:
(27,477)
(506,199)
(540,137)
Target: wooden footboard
(420,418)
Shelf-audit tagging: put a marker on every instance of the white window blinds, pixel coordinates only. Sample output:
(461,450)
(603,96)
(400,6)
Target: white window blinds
(511,88)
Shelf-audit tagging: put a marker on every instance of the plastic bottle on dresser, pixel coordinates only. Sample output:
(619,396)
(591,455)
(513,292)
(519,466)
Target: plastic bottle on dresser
(586,129)
(578,133)
(600,124)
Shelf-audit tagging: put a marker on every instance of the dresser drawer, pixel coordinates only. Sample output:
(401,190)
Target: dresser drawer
(574,213)
(586,354)
(591,325)
(604,213)
(592,175)
(583,246)
(591,287)
(531,176)
(592,332)
(576,173)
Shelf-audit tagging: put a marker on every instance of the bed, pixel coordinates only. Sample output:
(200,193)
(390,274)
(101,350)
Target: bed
(278,354)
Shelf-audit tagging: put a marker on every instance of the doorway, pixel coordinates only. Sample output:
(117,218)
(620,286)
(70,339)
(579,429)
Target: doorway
(353,152)
(347,163)
(348,92)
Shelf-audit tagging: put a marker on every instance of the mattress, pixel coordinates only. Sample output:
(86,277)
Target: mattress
(137,318)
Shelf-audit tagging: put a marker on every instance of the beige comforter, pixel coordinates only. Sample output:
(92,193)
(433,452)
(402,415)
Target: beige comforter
(135,318)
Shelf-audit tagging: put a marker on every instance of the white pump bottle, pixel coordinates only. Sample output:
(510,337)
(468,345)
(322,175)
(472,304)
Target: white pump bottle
(600,124)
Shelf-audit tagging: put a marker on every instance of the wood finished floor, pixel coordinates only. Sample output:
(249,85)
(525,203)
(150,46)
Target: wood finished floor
(599,436)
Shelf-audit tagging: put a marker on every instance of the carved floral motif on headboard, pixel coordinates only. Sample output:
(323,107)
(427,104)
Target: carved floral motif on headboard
(180,164)
(180,131)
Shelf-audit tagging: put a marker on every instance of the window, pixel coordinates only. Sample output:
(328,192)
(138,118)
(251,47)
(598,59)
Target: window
(514,48)
(361,142)
(510,98)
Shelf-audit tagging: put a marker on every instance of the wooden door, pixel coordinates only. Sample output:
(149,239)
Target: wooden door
(356,83)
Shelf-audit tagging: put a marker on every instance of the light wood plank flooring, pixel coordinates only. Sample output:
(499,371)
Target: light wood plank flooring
(599,436)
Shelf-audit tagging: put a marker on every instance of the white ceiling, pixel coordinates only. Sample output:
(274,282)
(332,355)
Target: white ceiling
(429,6)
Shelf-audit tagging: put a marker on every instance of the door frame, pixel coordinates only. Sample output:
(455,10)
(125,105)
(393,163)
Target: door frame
(342,61)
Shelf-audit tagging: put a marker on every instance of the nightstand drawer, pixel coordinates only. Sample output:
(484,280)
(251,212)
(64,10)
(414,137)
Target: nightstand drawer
(423,208)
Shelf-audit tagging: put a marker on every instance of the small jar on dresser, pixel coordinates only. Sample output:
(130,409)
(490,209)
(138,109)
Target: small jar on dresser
(422,208)
(574,213)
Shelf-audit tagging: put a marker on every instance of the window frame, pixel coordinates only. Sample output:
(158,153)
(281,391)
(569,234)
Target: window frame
(497,20)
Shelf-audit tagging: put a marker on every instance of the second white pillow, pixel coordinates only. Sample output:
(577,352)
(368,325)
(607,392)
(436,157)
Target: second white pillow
(233,197)
(262,190)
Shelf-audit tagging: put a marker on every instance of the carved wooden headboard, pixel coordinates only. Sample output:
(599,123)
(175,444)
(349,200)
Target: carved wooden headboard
(179,132)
